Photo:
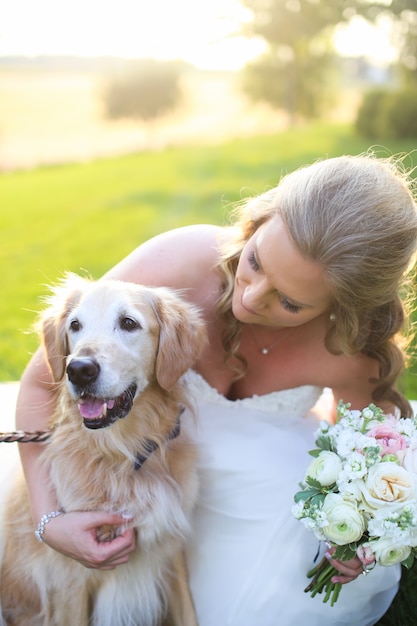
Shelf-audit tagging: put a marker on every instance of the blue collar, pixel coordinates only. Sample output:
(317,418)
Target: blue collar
(150,446)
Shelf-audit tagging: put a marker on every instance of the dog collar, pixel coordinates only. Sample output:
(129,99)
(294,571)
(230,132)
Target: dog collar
(150,446)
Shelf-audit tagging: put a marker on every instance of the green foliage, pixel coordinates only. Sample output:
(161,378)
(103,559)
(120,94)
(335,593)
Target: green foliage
(406,13)
(324,443)
(283,22)
(146,90)
(385,113)
(408,563)
(345,553)
(295,73)
(368,122)
(301,84)
(401,113)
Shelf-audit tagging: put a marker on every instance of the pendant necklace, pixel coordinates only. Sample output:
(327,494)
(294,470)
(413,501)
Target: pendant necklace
(265,350)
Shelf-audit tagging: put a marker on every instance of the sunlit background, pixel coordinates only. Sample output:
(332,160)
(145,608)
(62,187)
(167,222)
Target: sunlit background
(51,81)
(204,33)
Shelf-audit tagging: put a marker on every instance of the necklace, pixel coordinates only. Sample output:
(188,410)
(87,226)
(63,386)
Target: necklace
(267,349)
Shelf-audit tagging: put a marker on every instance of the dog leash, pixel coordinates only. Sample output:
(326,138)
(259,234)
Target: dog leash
(39,436)
(21,436)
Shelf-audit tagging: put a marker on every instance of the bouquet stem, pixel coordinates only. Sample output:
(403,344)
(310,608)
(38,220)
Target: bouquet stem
(321,576)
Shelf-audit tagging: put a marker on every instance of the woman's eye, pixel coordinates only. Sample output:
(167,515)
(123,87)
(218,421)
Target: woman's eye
(292,308)
(129,324)
(253,262)
(75,325)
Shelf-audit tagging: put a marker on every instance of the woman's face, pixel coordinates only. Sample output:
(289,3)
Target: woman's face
(274,284)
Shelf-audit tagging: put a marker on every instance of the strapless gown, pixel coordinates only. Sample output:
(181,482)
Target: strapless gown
(248,556)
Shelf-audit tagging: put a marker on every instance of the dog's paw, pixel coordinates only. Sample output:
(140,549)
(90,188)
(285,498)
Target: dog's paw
(107,533)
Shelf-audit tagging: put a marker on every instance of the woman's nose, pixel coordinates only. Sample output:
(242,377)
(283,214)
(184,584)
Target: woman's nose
(255,296)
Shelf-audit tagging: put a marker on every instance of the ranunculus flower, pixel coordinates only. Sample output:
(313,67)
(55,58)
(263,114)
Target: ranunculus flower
(325,468)
(387,483)
(388,438)
(345,523)
(388,554)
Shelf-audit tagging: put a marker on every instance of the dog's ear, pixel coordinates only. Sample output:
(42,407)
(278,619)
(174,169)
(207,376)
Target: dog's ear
(51,324)
(182,337)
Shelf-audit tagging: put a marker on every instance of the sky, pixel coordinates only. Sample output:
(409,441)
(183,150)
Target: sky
(202,32)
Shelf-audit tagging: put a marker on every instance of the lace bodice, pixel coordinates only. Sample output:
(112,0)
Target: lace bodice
(297,401)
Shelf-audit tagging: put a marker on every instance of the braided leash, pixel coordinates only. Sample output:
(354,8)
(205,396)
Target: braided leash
(21,436)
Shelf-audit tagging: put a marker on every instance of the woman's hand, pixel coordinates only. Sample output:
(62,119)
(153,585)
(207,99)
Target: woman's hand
(349,570)
(75,536)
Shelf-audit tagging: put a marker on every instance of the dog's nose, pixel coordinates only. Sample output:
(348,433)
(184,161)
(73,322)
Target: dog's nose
(83,371)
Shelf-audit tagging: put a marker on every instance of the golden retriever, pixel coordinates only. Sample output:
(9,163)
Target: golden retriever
(117,352)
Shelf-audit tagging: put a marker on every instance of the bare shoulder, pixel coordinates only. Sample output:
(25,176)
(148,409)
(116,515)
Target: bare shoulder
(353,379)
(178,258)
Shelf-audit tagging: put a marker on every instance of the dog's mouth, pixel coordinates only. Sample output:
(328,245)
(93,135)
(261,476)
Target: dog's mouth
(102,412)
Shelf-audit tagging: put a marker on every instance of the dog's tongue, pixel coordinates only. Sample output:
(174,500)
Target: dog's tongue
(91,408)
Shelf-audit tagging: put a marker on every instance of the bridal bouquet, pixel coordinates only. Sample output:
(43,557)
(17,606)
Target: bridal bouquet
(359,493)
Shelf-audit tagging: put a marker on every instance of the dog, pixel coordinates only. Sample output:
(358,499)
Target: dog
(117,352)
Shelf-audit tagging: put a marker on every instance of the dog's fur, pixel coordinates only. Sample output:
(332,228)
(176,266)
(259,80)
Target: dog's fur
(100,338)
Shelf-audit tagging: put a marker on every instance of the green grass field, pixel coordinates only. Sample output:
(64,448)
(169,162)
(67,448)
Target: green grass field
(85,217)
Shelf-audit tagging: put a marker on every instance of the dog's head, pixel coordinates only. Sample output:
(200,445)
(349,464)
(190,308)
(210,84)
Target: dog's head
(110,339)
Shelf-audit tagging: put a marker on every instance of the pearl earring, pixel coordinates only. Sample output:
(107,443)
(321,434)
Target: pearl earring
(332,317)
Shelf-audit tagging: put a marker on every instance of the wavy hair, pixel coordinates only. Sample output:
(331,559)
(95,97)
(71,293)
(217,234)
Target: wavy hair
(356,217)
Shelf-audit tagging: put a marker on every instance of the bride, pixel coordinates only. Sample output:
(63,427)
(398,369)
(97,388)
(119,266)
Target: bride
(299,294)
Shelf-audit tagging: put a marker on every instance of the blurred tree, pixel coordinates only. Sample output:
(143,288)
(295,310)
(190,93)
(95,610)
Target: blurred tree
(405,12)
(283,22)
(145,90)
(369,121)
(295,72)
(388,113)
(298,79)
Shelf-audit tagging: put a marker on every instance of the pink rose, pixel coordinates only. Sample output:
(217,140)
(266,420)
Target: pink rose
(388,438)
(365,555)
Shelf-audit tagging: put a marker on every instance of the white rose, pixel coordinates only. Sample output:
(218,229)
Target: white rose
(345,523)
(325,468)
(388,554)
(387,483)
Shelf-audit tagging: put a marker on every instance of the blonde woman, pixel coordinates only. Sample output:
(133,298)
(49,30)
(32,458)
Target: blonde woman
(302,292)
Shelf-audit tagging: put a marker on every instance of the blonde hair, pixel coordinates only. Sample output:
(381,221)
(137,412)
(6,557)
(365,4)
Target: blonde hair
(356,216)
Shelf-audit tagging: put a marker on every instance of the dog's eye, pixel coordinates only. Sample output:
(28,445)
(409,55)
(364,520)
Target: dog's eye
(75,325)
(129,324)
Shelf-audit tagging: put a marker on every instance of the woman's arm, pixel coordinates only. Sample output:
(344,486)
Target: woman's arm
(33,412)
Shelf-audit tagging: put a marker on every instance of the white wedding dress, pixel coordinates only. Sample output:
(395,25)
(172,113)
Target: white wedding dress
(248,556)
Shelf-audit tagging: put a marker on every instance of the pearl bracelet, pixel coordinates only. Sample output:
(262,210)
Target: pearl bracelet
(45,519)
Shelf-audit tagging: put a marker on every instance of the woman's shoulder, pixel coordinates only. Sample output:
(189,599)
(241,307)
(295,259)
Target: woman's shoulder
(201,238)
(352,378)
(177,258)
